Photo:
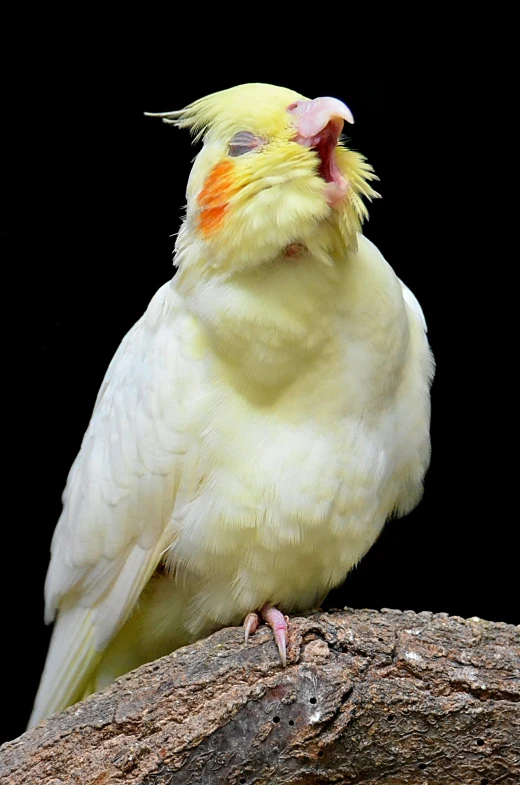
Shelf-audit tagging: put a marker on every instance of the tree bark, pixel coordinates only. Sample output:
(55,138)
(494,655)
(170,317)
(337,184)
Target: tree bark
(389,698)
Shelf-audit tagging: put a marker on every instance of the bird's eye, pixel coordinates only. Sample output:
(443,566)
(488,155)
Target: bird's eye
(244,142)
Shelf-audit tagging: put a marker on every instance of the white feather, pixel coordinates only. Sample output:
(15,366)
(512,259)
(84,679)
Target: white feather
(119,498)
(255,431)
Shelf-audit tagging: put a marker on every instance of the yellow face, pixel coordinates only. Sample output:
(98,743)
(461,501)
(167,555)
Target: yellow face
(254,190)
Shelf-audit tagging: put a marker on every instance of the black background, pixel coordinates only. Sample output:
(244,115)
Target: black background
(94,192)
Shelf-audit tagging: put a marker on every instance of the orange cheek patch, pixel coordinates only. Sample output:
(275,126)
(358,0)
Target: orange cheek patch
(219,187)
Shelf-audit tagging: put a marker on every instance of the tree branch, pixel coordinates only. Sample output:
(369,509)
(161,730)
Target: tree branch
(389,698)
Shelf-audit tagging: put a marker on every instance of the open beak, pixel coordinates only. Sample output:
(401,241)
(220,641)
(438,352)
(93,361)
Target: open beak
(318,125)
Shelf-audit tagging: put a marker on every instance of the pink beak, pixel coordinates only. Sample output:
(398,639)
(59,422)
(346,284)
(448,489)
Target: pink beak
(318,125)
(314,115)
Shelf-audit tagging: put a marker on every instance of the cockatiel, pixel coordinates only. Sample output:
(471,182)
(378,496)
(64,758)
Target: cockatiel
(259,423)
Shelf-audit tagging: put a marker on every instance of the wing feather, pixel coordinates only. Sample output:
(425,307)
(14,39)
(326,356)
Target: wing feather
(413,303)
(119,499)
(67,665)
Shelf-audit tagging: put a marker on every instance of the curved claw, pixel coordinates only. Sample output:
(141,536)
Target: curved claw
(278,623)
(251,623)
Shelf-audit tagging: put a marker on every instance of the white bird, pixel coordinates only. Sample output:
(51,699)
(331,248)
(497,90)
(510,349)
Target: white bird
(260,422)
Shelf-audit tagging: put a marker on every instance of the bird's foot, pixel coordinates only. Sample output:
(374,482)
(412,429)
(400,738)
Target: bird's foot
(278,623)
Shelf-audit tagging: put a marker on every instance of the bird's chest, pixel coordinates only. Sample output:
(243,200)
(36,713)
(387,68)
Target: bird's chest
(281,503)
(286,484)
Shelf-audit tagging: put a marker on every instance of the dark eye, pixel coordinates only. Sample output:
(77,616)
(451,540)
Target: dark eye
(244,142)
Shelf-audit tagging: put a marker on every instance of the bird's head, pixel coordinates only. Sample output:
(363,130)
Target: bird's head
(272,178)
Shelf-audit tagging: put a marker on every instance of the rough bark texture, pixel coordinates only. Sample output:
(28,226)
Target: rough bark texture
(367,697)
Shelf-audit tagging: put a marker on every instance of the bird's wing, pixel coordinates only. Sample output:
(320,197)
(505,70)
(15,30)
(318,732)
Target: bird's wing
(119,497)
(413,303)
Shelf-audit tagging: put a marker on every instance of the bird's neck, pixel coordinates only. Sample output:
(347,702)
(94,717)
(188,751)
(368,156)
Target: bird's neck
(271,323)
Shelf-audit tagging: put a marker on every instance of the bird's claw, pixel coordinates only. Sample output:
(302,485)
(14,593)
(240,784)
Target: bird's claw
(251,623)
(278,623)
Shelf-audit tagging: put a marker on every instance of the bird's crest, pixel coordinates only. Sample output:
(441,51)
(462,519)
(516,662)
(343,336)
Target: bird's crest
(248,105)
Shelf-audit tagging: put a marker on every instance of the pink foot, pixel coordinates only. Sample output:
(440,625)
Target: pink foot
(278,623)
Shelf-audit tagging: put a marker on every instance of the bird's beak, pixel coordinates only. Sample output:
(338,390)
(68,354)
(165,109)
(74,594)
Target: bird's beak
(314,116)
(318,125)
